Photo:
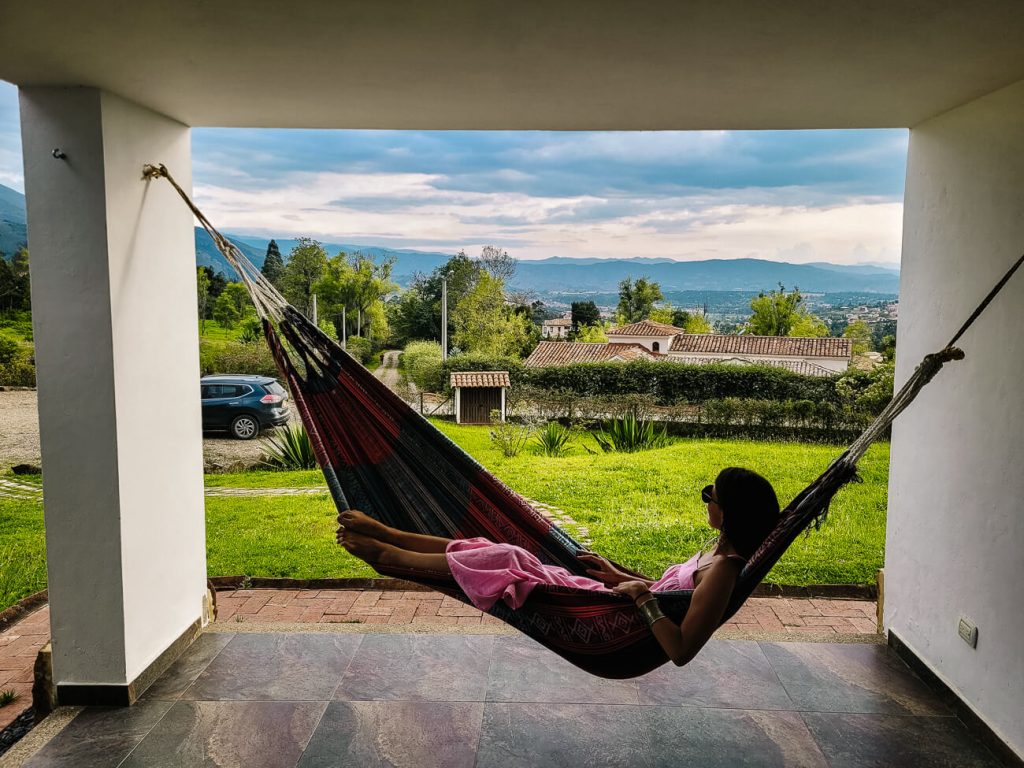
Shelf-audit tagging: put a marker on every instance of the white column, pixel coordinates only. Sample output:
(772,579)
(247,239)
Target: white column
(955,533)
(114,313)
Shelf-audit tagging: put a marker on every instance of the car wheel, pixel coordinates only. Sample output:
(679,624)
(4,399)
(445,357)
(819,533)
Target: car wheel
(245,427)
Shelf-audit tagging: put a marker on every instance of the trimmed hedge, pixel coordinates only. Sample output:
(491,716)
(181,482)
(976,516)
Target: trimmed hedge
(674,383)
(669,383)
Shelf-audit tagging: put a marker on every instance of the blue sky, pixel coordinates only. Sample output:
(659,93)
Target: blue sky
(786,195)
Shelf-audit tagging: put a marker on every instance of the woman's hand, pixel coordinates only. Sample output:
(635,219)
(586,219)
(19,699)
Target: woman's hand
(634,589)
(602,570)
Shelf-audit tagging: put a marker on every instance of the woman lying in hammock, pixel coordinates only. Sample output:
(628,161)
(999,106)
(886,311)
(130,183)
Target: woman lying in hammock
(741,505)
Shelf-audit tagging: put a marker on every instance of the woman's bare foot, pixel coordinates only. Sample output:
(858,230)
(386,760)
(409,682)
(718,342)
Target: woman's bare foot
(365,548)
(360,522)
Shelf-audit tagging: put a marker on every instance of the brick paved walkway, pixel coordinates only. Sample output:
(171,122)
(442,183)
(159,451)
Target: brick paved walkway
(20,643)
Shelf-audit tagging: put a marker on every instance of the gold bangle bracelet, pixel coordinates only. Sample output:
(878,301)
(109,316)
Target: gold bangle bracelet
(651,611)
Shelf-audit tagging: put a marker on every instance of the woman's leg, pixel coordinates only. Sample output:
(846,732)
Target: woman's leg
(375,551)
(360,522)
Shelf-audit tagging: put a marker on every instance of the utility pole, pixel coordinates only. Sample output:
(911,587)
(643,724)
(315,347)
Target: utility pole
(344,328)
(444,319)
(314,309)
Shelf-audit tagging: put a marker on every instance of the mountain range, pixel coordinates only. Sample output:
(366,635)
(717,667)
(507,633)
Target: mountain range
(555,274)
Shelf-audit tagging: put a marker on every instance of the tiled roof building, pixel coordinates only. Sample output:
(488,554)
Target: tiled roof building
(788,346)
(480,379)
(550,353)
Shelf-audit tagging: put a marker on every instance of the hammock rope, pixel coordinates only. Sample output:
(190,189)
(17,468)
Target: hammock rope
(379,455)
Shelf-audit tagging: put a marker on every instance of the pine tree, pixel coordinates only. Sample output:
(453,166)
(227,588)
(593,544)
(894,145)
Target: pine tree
(273,264)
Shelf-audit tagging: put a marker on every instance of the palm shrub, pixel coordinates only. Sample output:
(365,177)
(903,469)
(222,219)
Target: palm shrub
(630,434)
(553,439)
(289,447)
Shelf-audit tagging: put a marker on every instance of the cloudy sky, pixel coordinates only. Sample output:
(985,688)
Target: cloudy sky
(793,196)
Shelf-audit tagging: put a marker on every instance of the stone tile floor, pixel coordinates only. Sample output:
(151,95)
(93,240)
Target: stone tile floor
(339,697)
(818,619)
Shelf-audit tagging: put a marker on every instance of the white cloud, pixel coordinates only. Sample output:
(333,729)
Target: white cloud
(408,207)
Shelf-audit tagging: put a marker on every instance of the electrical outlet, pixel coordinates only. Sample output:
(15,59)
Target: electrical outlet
(969,632)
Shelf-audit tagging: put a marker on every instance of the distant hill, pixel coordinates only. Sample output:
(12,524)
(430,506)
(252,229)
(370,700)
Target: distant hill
(556,274)
(13,232)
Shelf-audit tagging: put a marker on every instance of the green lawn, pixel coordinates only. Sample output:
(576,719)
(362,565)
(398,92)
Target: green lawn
(642,509)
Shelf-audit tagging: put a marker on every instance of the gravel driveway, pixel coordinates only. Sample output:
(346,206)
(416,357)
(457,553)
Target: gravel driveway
(19,438)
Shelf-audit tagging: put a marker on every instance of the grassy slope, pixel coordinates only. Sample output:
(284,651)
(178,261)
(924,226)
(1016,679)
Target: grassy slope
(642,509)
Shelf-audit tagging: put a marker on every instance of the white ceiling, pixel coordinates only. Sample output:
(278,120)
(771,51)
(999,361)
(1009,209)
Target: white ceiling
(561,64)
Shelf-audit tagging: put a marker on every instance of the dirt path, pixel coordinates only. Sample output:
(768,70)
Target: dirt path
(388,371)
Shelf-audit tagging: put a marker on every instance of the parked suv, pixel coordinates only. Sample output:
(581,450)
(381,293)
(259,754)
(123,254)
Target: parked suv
(243,405)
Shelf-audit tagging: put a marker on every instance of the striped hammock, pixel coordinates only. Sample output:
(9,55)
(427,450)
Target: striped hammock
(382,457)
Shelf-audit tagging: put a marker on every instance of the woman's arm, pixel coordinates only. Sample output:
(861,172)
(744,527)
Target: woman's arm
(710,599)
(602,570)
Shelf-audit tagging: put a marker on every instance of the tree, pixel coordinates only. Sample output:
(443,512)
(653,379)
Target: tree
(778,313)
(203,295)
(593,333)
(637,299)
(484,323)
(498,263)
(418,314)
(273,264)
(351,293)
(860,333)
(808,325)
(217,284)
(697,324)
(305,267)
(585,313)
(231,305)
(15,290)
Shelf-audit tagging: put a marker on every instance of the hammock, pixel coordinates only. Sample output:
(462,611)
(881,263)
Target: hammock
(380,456)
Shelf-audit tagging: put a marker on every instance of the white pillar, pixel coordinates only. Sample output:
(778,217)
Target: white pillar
(955,532)
(114,313)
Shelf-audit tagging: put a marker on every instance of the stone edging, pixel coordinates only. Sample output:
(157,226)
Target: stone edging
(18,611)
(824,591)
(10,388)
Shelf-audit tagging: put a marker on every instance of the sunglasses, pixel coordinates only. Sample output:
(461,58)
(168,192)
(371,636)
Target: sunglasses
(705,494)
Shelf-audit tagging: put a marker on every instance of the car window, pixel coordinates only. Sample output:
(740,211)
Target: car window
(233,390)
(210,391)
(275,389)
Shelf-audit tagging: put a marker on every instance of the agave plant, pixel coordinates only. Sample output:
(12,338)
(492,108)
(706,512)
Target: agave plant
(554,439)
(630,434)
(289,447)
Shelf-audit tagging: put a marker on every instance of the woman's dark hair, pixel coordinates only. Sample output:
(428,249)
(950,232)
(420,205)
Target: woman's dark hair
(750,509)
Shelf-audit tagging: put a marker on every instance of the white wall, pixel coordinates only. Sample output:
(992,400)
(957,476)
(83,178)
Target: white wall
(955,539)
(835,364)
(647,342)
(113,289)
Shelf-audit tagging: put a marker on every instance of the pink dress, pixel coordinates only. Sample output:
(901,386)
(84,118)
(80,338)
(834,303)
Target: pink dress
(488,572)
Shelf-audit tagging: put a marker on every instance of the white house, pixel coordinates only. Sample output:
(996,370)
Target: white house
(810,356)
(557,328)
(653,336)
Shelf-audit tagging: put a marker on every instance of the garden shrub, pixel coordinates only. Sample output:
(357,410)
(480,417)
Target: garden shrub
(630,434)
(361,349)
(18,373)
(509,437)
(553,439)
(421,361)
(236,357)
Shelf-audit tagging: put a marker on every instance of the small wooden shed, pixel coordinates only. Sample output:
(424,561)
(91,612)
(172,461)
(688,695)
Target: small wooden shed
(477,393)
